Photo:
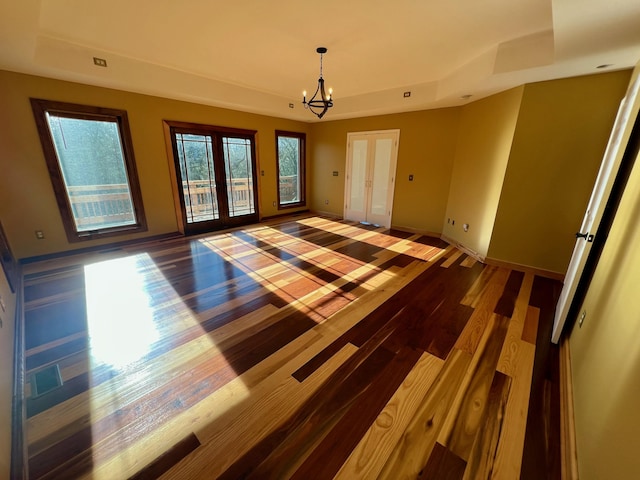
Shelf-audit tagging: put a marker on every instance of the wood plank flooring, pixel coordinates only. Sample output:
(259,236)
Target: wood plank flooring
(304,348)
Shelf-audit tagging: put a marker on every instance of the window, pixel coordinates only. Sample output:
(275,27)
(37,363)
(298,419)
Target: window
(89,154)
(214,173)
(290,156)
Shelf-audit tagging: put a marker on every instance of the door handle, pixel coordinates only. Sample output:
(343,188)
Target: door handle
(586,236)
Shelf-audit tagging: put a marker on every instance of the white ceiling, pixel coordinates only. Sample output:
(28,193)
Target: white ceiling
(258,56)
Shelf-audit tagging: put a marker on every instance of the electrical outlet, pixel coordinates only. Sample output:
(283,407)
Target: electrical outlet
(582,317)
(411,178)
(39,234)
(326,202)
(465,227)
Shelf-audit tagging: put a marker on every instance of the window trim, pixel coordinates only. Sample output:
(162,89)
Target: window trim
(40,108)
(302,161)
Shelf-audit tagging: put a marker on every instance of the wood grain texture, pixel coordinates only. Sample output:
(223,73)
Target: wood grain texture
(567,426)
(475,394)
(443,464)
(411,452)
(375,446)
(168,459)
(302,347)
(480,462)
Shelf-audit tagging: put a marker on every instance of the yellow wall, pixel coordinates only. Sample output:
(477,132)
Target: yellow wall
(6,373)
(426,149)
(484,142)
(605,351)
(458,157)
(27,202)
(560,138)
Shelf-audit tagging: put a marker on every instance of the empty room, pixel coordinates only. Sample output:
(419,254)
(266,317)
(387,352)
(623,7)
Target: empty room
(358,239)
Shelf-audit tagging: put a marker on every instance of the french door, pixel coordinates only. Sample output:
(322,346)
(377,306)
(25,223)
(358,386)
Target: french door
(370,178)
(214,172)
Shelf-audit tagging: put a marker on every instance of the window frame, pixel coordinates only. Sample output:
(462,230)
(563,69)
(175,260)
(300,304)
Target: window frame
(40,108)
(171,128)
(302,161)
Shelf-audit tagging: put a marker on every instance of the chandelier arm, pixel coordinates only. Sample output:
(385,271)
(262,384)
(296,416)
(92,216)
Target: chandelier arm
(315,108)
(319,106)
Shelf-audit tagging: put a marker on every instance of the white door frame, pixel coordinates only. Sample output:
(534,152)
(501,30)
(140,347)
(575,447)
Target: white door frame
(348,213)
(627,113)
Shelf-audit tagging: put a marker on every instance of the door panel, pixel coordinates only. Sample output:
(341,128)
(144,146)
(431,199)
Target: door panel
(370,179)
(613,156)
(382,181)
(215,177)
(239,175)
(356,179)
(195,158)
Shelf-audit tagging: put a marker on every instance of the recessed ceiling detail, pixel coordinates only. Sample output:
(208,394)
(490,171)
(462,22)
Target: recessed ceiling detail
(255,56)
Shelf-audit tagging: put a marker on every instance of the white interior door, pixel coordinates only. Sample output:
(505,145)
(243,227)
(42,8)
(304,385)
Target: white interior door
(371,168)
(627,113)
(356,179)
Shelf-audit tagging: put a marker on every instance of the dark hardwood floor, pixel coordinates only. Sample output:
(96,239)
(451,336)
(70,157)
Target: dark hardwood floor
(302,348)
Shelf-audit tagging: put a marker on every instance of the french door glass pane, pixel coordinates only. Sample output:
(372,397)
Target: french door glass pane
(195,155)
(93,169)
(358,175)
(239,175)
(381,165)
(289,169)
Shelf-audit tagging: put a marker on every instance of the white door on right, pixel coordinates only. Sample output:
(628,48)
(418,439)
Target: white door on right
(370,178)
(627,113)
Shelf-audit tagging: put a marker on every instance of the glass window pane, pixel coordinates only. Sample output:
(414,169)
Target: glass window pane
(290,154)
(195,155)
(93,168)
(358,176)
(381,177)
(239,172)
(288,169)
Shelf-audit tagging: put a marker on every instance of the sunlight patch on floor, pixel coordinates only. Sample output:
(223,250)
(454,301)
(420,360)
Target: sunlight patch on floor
(401,245)
(124,327)
(305,302)
(119,317)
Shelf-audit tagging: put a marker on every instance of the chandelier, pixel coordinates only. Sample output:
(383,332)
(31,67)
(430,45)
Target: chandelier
(320,102)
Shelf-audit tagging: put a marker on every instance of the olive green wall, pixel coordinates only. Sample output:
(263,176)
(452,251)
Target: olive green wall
(426,151)
(483,146)
(27,201)
(561,135)
(7,315)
